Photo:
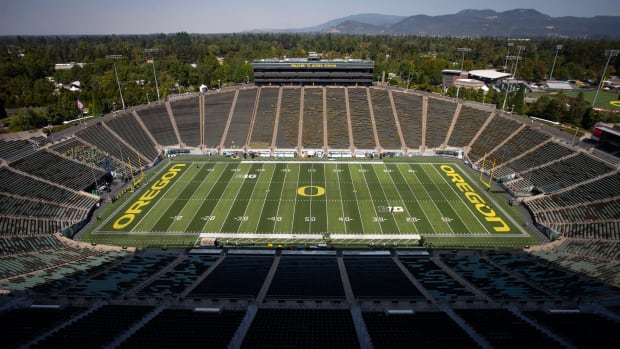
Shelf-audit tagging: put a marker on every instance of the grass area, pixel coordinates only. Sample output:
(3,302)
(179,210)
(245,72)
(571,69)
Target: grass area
(270,203)
(605,100)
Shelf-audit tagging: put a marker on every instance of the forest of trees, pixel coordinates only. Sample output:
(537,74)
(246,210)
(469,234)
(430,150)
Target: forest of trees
(185,61)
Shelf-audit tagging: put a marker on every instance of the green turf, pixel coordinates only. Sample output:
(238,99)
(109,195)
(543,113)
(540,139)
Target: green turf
(300,201)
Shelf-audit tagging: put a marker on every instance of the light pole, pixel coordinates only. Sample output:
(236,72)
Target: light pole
(609,53)
(509,45)
(462,50)
(557,49)
(117,81)
(517,58)
(519,49)
(154,50)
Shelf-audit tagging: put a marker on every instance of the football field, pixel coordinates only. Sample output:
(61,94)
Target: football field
(307,202)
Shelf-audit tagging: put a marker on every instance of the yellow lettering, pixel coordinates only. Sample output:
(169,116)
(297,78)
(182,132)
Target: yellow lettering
(504,227)
(160,185)
(149,195)
(464,187)
(123,221)
(474,198)
(447,169)
(135,207)
(485,209)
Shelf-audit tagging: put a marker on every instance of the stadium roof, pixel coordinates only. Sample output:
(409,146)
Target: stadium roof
(489,74)
(559,85)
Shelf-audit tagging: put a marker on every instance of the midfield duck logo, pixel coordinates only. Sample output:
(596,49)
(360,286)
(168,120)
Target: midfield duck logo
(136,208)
(481,206)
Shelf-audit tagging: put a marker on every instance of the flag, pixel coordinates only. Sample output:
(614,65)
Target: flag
(80,105)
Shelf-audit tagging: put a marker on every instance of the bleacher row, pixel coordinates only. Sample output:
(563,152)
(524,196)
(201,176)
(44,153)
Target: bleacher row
(292,300)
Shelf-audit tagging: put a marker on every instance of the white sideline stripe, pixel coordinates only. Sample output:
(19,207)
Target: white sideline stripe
(310,236)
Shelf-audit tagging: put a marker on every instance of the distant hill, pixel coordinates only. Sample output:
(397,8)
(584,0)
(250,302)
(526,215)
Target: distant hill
(476,23)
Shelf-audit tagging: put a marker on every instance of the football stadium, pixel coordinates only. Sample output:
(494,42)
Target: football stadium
(303,213)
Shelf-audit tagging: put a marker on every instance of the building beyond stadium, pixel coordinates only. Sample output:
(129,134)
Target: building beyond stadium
(313,71)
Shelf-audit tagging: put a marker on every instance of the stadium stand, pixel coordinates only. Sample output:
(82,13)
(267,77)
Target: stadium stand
(384,119)
(262,132)
(102,139)
(158,123)
(312,130)
(11,150)
(338,129)
(439,116)
(186,114)
(469,121)
(409,110)
(288,124)
(128,128)
(74,148)
(527,138)
(439,284)
(217,108)
(58,169)
(379,278)
(498,130)
(321,278)
(242,117)
(363,130)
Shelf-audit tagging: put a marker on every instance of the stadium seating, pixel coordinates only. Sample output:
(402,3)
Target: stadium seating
(321,278)
(439,117)
(436,281)
(523,141)
(75,149)
(498,130)
(262,132)
(469,121)
(363,134)
(186,113)
(128,128)
(384,119)
(217,108)
(338,125)
(158,123)
(288,124)
(375,278)
(101,138)
(11,150)
(240,124)
(312,131)
(409,110)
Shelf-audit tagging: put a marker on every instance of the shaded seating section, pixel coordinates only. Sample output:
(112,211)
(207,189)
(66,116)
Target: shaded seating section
(96,329)
(379,277)
(498,130)
(523,141)
(217,108)
(601,189)
(548,152)
(262,132)
(74,148)
(157,121)
(312,132)
(186,114)
(301,328)
(503,329)
(303,277)
(234,277)
(435,280)
(186,328)
(176,280)
(23,324)
(17,184)
(58,169)
(583,330)
(563,283)
(384,119)
(469,121)
(122,277)
(14,149)
(363,135)
(601,269)
(588,230)
(409,110)
(26,207)
(491,280)
(101,138)
(10,245)
(30,226)
(566,172)
(603,249)
(438,119)
(338,126)
(598,211)
(422,329)
(288,123)
(242,117)
(128,128)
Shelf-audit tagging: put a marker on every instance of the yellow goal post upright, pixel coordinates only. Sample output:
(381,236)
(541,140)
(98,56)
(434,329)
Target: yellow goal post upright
(487,184)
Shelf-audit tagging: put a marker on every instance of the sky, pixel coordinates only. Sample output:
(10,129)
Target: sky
(66,17)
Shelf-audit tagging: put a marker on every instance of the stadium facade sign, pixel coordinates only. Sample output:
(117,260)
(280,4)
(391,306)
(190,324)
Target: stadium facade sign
(481,206)
(149,195)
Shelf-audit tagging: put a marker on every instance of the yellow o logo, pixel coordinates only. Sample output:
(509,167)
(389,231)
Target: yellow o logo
(303,191)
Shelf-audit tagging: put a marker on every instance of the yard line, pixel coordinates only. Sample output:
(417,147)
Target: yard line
(236,208)
(374,208)
(341,200)
(222,203)
(431,200)
(250,206)
(400,196)
(265,202)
